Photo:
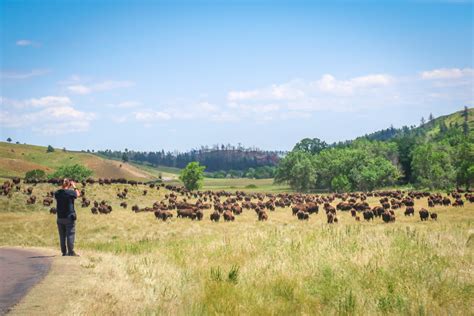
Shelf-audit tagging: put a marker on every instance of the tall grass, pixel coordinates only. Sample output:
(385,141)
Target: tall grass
(134,264)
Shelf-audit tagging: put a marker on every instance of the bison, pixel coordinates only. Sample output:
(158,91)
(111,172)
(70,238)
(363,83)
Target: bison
(424,214)
(215,216)
(228,216)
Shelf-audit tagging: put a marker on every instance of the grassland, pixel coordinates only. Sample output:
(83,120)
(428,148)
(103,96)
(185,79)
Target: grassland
(134,264)
(17,159)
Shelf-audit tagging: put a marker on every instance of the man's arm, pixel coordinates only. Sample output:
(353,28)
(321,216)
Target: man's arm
(73,185)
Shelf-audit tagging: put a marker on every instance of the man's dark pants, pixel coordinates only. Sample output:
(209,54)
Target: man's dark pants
(67,233)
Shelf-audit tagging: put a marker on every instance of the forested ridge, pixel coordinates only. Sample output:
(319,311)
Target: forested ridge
(438,154)
(216,158)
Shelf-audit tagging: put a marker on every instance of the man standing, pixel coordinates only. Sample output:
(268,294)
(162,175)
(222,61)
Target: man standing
(67,216)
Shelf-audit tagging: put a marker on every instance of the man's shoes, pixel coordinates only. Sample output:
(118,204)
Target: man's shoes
(73,254)
(64,254)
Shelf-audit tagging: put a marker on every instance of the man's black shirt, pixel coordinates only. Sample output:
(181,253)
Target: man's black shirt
(65,203)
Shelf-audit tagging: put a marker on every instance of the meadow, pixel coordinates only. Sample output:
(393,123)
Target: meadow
(132,263)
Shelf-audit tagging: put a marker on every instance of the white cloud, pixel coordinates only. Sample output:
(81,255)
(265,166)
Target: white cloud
(48,101)
(300,89)
(447,73)
(286,91)
(79,89)
(99,87)
(151,116)
(55,115)
(329,84)
(125,105)
(26,42)
(23,75)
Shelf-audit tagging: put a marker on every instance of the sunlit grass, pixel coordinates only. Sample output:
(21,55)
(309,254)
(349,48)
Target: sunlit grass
(132,263)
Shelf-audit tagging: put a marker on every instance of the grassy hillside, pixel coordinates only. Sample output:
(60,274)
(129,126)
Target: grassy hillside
(430,129)
(456,118)
(16,159)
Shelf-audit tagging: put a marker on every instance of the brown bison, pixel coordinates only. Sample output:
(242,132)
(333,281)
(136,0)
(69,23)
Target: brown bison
(424,214)
(262,216)
(409,211)
(163,215)
(215,216)
(388,217)
(228,216)
(368,215)
(302,215)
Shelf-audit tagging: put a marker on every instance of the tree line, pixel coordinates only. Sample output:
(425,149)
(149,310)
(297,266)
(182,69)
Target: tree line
(435,155)
(216,158)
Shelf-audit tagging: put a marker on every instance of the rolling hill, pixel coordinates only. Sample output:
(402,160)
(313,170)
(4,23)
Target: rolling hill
(16,159)
(430,129)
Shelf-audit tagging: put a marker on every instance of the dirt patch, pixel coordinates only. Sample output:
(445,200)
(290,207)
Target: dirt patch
(114,169)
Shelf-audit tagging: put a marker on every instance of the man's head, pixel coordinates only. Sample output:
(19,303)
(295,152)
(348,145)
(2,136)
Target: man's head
(66,183)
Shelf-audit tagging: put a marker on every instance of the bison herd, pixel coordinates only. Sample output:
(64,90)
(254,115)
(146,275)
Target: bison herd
(229,205)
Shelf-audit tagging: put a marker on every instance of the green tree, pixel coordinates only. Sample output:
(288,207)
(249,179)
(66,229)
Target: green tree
(124,157)
(298,170)
(35,174)
(313,146)
(50,149)
(422,121)
(432,166)
(464,163)
(340,183)
(192,176)
(76,172)
(9,140)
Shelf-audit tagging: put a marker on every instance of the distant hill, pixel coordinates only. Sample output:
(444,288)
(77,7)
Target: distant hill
(217,158)
(16,159)
(429,129)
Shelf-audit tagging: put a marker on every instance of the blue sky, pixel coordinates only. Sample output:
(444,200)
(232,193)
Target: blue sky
(148,75)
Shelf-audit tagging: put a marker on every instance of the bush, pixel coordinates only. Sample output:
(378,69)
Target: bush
(35,174)
(75,172)
(192,176)
(50,149)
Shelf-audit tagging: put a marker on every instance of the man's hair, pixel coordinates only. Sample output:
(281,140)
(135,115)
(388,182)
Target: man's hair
(66,183)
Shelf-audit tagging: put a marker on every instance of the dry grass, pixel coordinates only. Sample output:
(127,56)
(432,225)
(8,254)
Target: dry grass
(134,264)
(17,159)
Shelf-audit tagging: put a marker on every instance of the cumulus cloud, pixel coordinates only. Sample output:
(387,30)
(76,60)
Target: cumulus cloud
(99,87)
(23,75)
(48,101)
(300,89)
(286,91)
(447,73)
(49,115)
(329,84)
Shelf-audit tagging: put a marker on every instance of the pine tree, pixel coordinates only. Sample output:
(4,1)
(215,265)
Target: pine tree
(422,121)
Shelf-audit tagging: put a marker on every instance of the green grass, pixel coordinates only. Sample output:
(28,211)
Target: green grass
(279,267)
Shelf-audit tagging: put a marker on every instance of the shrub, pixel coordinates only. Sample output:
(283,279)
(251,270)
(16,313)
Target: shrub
(75,172)
(35,174)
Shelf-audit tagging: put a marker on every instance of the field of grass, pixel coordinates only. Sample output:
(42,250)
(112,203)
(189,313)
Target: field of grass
(134,264)
(17,159)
